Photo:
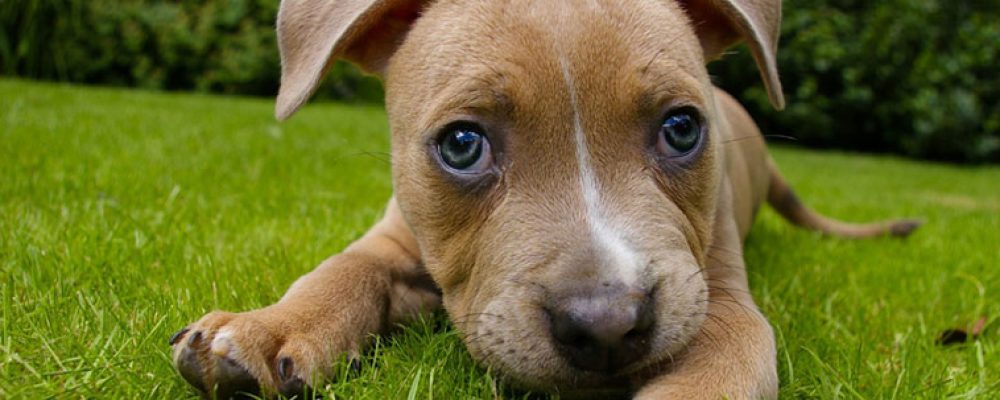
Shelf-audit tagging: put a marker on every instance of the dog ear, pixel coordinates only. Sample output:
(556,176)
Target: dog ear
(312,34)
(721,23)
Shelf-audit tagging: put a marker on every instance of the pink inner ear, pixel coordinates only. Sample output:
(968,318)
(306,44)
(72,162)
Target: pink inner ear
(375,45)
(722,23)
(313,34)
(712,27)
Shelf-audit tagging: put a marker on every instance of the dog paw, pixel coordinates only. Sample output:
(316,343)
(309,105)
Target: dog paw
(710,390)
(227,355)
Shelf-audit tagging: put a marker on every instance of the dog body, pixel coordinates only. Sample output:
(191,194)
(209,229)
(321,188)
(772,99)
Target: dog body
(568,184)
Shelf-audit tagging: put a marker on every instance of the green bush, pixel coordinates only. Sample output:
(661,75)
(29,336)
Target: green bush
(913,77)
(225,46)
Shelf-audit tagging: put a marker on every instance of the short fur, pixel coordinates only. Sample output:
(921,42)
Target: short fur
(578,201)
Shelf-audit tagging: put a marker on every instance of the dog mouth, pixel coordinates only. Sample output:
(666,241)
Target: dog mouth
(585,339)
(572,364)
(618,378)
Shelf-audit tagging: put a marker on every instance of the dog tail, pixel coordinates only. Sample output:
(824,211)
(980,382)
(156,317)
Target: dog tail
(782,198)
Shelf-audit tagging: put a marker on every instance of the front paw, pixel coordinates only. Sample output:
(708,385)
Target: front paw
(711,390)
(734,359)
(267,352)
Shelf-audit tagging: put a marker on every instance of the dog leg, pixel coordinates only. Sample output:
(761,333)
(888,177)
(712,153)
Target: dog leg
(733,357)
(332,312)
(734,354)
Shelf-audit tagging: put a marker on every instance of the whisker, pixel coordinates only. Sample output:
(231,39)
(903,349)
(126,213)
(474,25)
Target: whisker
(723,304)
(724,288)
(381,156)
(786,137)
(699,271)
(706,333)
(726,250)
(722,323)
(741,138)
(746,310)
(474,317)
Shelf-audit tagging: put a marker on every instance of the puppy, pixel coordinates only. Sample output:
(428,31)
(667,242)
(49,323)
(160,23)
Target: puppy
(568,185)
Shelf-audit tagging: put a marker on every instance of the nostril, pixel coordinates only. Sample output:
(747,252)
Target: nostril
(566,331)
(646,317)
(638,334)
(601,331)
(575,340)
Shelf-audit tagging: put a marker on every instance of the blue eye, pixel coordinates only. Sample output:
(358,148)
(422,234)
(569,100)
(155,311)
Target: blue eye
(464,148)
(680,132)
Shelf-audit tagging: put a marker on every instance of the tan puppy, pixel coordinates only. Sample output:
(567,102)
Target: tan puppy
(568,184)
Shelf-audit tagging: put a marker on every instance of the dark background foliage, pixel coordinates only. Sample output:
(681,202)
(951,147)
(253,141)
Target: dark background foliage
(222,46)
(912,77)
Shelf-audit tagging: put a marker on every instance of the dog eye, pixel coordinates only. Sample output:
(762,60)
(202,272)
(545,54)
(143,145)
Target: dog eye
(464,148)
(680,132)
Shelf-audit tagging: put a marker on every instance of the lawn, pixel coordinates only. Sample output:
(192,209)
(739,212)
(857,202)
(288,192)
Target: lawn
(125,215)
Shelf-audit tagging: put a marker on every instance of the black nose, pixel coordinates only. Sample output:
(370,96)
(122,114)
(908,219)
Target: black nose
(603,331)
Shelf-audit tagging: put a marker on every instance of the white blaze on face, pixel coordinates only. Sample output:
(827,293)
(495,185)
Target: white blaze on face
(618,258)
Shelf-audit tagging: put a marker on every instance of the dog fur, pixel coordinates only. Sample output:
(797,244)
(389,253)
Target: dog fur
(577,203)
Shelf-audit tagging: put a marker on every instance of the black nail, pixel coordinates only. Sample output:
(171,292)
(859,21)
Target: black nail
(194,338)
(285,366)
(233,381)
(177,335)
(295,388)
(190,368)
(355,365)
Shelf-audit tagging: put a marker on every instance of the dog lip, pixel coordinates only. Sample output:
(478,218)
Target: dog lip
(582,384)
(610,363)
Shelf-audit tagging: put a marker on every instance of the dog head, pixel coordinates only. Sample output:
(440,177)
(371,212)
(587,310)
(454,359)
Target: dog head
(558,162)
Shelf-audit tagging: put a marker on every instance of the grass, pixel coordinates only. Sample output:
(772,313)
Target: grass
(125,215)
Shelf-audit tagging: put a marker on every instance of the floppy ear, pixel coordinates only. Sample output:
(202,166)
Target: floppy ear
(722,23)
(312,34)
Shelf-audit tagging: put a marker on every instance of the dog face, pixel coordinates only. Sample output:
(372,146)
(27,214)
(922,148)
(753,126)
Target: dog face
(559,164)
(578,224)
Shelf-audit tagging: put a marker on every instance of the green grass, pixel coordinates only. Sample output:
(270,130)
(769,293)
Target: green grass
(125,215)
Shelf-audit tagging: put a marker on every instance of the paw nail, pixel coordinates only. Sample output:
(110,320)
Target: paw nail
(295,388)
(177,335)
(233,380)
(195,338)
(190,368)
(355,365)
(285,366)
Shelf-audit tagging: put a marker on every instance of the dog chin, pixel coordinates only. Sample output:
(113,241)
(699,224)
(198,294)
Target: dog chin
(510,336)
(576,385)
(597,392)
(573,383)
(570,382)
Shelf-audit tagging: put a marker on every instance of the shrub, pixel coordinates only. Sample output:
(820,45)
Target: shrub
(225,46)
(910,77)
(913,77)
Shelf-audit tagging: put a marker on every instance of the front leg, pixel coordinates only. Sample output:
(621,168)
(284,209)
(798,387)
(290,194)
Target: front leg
(734,355)
(332,312)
